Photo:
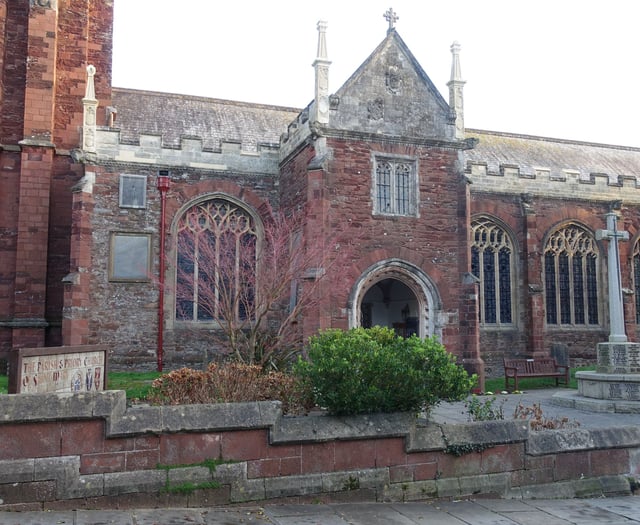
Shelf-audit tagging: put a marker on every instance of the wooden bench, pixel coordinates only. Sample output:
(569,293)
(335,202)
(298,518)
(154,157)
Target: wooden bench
(515,369)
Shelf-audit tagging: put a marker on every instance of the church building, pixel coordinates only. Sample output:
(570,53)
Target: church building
(486,240)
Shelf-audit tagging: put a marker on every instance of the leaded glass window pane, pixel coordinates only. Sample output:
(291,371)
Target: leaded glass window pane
(403,181)
(185,282)
(592,289)
(248,295)
(550,288)
(475,261)
(578,289)
(504,275)
(489,281)
(564,288)
(383,176)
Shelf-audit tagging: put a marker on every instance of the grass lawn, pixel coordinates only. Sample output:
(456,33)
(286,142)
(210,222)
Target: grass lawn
(137,384)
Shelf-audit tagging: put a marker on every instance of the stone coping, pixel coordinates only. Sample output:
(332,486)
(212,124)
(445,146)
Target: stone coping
(609,377)
(420,434)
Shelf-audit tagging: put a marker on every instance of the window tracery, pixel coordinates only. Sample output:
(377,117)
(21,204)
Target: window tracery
(216,262)
(571,262)
(492,262)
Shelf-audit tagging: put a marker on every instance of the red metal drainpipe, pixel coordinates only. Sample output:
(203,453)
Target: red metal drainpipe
(163,184)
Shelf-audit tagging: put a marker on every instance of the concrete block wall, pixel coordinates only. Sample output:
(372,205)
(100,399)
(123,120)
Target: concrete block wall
(91,450)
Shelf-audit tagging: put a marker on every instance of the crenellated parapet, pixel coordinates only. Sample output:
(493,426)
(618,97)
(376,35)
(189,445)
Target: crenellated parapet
(149,149)
(553,168)
(298,131)
(567,183)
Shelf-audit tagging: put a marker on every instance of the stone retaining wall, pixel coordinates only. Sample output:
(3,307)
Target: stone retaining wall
(92,451)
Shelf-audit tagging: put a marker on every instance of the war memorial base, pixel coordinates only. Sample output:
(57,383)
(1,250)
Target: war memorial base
(615,384)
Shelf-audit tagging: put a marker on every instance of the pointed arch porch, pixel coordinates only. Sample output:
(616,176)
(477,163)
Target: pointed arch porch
(427,304)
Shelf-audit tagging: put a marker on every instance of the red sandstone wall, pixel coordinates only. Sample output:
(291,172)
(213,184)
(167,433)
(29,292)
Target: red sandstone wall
(548,214)
(380,468)
(43,102)
(13,42)
(13,50)
(430,241)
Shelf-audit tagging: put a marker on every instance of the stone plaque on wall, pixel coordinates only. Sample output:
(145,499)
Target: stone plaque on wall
(130,257)
(59,369)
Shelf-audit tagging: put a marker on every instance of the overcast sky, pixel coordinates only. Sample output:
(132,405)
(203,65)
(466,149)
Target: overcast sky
(557,68)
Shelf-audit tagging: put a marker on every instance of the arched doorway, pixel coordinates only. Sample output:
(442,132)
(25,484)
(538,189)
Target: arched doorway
(391,303)
(398,295)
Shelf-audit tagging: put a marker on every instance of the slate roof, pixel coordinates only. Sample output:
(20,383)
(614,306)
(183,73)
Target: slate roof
(212,120)
(529,153)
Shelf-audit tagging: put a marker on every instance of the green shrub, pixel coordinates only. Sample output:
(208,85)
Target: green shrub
(485,410)
(372,370)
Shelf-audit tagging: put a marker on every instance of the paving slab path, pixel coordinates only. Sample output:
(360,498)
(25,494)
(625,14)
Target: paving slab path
(611,511)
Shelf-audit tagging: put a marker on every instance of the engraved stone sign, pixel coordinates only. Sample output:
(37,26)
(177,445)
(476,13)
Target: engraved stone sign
(59,369)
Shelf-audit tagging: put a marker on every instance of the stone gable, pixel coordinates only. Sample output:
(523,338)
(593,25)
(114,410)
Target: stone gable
(390,94)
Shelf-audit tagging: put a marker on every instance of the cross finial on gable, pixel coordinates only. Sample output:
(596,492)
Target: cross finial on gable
(391,17)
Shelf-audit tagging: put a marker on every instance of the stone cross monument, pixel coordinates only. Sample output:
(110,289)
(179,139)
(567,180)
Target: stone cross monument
(615,385)
(616,311)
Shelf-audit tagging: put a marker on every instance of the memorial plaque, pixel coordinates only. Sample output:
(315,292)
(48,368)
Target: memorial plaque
(615,391)
(130,257)
(59,369)
(603,356)
(618,358)
(133,191)
(632,391)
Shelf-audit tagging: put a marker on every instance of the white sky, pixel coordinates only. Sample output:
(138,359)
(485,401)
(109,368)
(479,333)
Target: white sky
(557,68)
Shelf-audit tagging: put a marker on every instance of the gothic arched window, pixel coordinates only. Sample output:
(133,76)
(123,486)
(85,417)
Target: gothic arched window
(636,278)
(492,263)
(571,277)
(216,262)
